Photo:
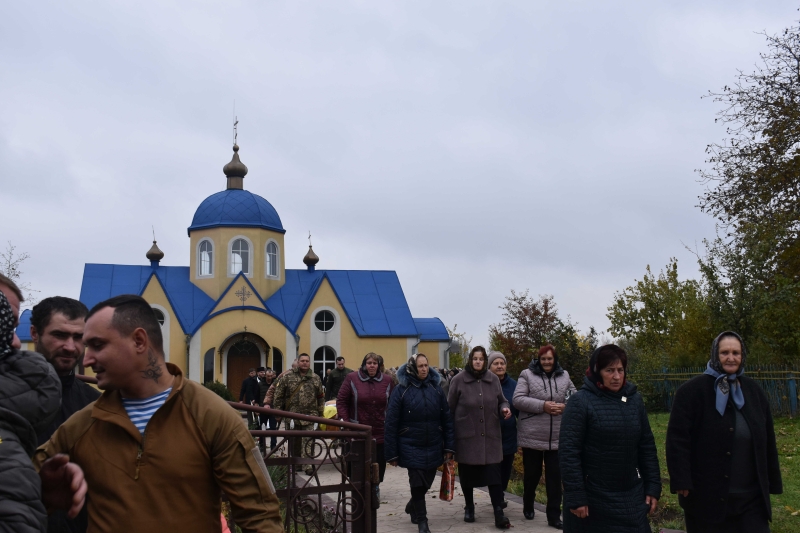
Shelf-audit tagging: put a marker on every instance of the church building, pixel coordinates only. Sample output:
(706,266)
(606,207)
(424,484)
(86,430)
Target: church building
(237,306)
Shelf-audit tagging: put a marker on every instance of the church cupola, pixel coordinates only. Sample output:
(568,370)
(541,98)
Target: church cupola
(155,255)
(235,170)
(311,259)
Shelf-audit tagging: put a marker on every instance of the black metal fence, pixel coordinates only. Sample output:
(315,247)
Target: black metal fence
(778,382)
(341,498)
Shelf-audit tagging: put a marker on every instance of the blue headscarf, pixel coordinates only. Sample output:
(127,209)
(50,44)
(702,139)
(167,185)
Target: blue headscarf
(726,385)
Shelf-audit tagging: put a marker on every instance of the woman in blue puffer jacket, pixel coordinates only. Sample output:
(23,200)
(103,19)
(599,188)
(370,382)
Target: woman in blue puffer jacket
(419,431)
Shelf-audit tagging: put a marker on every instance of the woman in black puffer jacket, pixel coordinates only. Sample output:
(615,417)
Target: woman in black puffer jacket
(30,396)
(418,434)
(607,452)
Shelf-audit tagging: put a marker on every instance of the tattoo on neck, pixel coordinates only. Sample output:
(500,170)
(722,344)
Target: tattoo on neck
(153,370)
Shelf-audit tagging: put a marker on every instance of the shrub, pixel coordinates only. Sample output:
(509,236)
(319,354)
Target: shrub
(220,389)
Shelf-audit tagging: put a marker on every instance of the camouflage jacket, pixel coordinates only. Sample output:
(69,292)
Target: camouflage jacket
(300,394)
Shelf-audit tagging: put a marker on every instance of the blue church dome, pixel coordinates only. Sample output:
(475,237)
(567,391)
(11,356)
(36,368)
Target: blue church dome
(236,208)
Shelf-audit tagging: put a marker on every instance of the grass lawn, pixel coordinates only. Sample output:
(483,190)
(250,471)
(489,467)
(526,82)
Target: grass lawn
(785,507)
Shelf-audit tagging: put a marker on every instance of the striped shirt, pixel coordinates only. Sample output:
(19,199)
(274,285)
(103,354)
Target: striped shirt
(141,411)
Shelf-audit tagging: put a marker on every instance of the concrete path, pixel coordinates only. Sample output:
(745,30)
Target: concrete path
(442,516)
(447,516)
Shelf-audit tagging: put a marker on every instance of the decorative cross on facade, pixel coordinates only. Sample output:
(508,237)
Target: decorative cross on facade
(243,293)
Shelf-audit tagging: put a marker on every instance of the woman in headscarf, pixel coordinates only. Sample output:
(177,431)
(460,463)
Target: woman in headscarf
(477,403)
(721,451)
(363,398)
(30,399)
(607,452)
(541,397)
(418,432)
(508,426)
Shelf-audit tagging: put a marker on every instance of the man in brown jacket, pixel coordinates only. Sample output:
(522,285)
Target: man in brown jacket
(158,449)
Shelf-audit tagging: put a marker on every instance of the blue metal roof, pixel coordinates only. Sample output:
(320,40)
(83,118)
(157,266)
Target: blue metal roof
(431,329)
(24,327)
(236,208)
(191,305)
(373,300)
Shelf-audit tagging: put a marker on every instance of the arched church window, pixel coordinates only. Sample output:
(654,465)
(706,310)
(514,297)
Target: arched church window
(206,259)
(272,259)
(277,360)
(240,257)
(208,365)
(324,359)
(159,316)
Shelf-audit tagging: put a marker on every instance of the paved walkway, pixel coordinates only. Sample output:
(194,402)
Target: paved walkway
(442,516)
(447,516)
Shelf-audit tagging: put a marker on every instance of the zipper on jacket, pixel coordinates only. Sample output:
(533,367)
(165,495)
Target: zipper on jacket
(139,458)
(550,440)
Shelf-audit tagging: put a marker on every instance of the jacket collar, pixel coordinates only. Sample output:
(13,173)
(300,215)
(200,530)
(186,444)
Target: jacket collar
(109,408)
(469,377)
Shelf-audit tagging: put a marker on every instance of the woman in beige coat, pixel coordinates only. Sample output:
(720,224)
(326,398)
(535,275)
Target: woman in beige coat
(477,403)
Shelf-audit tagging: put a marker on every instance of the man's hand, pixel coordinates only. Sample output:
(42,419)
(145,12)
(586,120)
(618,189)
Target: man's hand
(393,463)
(652,502)
(63,485)
(506,413)
(448,456)
(683,493)
(581,512)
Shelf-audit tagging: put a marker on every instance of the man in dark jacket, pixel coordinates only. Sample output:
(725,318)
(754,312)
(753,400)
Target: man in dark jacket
(335,379)
(57,332)
(248,394)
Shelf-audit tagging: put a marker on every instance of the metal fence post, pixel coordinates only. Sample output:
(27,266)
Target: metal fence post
(792,386)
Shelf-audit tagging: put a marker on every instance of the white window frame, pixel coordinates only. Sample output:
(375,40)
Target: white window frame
(164,329)
(200,258)
(277,260)
(249,272)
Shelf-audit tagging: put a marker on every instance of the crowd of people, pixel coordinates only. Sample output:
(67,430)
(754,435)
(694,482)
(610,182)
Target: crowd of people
(154,450)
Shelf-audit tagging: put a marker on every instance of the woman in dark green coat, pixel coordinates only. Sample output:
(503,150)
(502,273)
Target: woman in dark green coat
(607,452)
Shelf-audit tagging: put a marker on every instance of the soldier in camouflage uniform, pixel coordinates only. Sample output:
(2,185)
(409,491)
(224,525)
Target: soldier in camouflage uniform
(300,391)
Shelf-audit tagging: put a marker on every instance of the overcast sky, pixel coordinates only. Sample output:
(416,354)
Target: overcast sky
(473,147)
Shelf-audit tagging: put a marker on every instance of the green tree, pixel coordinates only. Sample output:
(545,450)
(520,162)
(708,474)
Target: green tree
(754,174)
(528,323)
(462,344)
(667,319)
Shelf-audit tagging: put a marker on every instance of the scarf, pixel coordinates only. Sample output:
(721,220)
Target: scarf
(726,385)
(7,328)
(594,375)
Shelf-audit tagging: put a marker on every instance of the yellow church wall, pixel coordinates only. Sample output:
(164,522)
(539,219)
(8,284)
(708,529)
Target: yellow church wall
(433,350)
(352,347)
(174,338)
(221,327)
(215,285)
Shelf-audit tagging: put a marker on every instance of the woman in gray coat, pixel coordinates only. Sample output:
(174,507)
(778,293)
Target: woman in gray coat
(540,396)
(477,403)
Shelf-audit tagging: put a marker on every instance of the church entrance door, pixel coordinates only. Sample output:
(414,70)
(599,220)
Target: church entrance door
(242,356)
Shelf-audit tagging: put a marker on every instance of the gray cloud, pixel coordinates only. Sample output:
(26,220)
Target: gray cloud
(472,147)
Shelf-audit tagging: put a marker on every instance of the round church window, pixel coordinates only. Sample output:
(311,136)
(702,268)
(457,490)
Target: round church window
(324,320)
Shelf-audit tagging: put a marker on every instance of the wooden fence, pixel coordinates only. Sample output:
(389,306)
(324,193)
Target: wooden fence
(778,382)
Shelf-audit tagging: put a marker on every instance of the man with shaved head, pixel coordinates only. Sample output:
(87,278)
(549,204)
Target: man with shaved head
(157,448)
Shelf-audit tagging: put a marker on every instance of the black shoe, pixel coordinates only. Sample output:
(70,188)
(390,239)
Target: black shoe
(557,523)
(504,504)
(411,511)
(500,520)
(423,526)
(469,513)
(528,513)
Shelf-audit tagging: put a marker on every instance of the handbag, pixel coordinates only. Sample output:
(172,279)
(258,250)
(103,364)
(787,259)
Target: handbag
(448,481)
